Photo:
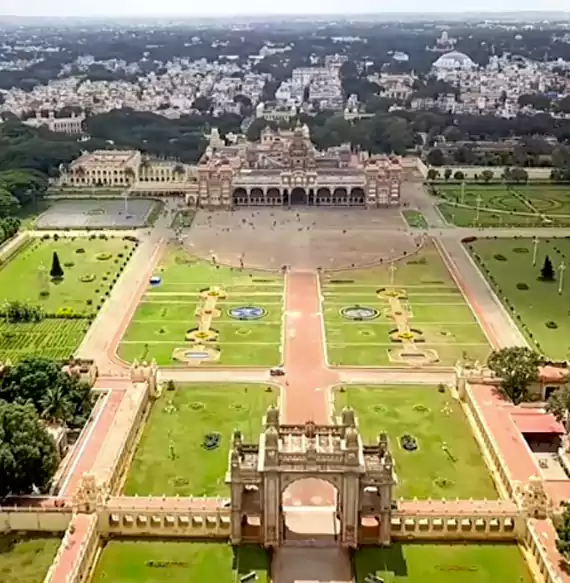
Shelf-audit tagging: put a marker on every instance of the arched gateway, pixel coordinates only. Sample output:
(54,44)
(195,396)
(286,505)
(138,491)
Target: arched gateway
(259,474)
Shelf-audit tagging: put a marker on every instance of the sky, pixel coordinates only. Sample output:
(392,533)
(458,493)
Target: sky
(190,8)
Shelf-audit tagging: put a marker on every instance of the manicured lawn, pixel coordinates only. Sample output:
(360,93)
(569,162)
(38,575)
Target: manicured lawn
(447,463)
(443,563)
(523,205)
(415,219)
(26,558)
(437,307)
(168,311)
(89,276)
(509,263)
(170,458)
(143,561)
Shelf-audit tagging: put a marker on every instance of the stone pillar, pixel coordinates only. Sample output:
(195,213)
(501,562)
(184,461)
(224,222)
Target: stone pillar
(272,510)
(236,494)
(350,514)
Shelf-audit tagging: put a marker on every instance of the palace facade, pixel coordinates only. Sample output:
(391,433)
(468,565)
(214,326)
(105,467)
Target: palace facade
(283,169)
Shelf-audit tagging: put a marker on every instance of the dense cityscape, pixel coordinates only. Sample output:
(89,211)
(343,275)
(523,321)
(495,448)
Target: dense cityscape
(283,299)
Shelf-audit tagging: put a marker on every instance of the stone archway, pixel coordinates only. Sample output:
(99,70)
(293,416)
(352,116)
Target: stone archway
(298,197)
(340,196)
(239,197)
(274,196)
(319,493)
(323,196)
(259,474)
(357,197)
(256,196)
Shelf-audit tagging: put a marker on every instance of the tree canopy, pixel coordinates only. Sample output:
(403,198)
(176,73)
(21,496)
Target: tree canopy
(28,457)
(36,379)
(517,367)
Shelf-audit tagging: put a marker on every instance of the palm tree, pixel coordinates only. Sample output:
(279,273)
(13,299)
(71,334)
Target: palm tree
(55,405)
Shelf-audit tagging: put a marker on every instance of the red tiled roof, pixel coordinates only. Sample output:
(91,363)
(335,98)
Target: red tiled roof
(552,374)
(537,422)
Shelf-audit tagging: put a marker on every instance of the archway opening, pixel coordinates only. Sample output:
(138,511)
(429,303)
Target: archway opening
(240,196)
(298,196)
(311,512)
(357,197)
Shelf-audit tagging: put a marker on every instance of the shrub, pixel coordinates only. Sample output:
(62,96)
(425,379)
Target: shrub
(87,278)
(103,256)
(408,442)
(522,286)
(520,250)
(500,257)
(68,264)
(80,250)
(469,239)
(56,271)
(552,325)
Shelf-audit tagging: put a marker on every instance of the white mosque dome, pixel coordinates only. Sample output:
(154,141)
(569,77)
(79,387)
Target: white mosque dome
(454,60)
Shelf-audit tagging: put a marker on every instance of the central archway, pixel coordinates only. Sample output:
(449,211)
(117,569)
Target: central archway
(322,497)
(298,196)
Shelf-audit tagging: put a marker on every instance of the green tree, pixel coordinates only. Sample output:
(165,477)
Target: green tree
(56,271)
(559,405)
(28,457)
(563,532)
(8,204)
(54,405)
(547,271)
(436,157)
(432,174)
(487,175)
(517,367)
(459,175)
(447,173)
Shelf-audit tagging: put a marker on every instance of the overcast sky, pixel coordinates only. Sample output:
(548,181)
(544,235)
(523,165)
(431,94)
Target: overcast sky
(226,7)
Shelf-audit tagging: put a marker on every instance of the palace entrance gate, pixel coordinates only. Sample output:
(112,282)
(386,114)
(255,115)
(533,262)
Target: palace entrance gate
(260,473)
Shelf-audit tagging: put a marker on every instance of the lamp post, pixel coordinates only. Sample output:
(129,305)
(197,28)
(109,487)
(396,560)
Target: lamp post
(463,192)
(561,269)
(392,270)
(535,242)
(478,201)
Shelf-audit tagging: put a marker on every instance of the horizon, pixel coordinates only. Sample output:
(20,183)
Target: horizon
(132,10)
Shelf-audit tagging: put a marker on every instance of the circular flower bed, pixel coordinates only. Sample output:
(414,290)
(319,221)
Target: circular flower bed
(379,409)
(406,335)
(408,442)
(197,406)
(103,256)
(87,278)
(247,312)
(551,325)
(211,441)
(522,286)
(421,408)
(359,313)
(443,482)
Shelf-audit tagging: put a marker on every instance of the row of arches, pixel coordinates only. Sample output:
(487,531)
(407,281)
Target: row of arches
(299,196)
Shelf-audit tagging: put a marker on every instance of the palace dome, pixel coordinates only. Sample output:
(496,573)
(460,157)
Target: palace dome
(454,60)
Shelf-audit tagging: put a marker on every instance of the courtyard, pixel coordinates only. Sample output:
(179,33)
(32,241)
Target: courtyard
(202,312)
(446,461)
(26,558)
(442,563)
(409,313)
(183,449)
(99,213)
(501,205)
(145,561)
(90,268)
(540,311)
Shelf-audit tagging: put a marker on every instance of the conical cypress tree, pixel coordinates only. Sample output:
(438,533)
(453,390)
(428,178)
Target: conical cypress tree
(547,271)
(56,270)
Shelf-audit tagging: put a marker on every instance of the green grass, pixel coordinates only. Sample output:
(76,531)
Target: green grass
(183,218)
(415,219)
(438,310)
(180,419)
(26,558)
(524,205)
(421,412)
(25,275)
(443,563)
(167,312)
(541,303)
(129,561)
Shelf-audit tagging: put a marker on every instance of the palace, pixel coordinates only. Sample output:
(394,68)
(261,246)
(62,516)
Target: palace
(282,169)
